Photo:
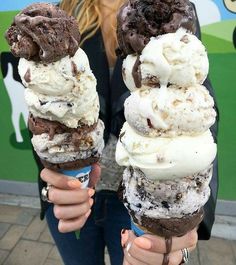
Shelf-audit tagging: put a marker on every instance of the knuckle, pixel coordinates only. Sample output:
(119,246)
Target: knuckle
(87,207)
(192,238)
(175,259)
(80,223)
(52,195)
(82,195)
(82,209)
(133,250)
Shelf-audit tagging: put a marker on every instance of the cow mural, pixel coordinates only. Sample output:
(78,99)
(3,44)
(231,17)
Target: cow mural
(15,91)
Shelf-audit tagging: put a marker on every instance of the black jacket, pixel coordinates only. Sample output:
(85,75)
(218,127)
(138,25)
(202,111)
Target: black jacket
(112,95)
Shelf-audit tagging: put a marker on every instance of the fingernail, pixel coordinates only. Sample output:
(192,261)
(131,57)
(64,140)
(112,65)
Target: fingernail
(74,183)
(143,242)
(124,237)
(88,213)
(91,192)
(123,231)
(90,202)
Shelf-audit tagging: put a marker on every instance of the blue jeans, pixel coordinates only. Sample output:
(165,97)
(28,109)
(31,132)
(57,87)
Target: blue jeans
(102,229)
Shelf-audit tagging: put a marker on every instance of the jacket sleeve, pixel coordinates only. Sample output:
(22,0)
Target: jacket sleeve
(204,230)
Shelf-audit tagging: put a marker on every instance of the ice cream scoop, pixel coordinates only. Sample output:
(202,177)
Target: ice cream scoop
(165,199)
(176,58)
(67,75)
(66,147)
(138,21)
(163,158)
(63,91)
(170,111)
(43,32)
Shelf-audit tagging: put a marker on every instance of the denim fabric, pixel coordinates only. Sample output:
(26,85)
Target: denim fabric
(102,229)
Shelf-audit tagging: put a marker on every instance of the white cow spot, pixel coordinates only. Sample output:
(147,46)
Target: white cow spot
(15,91)
(207,11)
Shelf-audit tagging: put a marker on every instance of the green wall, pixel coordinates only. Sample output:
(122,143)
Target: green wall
(16,159)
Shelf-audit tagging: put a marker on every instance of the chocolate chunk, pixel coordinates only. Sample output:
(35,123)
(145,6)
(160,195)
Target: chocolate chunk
(142,192)
(179,196)
(149,124)
(42,102)
(121,135)
(185,39)
(136,73)
(27,76)
(165,204)
(74,68)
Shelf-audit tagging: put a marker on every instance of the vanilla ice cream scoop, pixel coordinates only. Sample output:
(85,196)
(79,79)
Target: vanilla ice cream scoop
(165,158)
(63,91)
(176,58)
(170,111)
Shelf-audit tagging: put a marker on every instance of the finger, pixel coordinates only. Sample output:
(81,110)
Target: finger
(72,211)
(124,237)
(55,178)
(127,239)
(65,197)
(125,262)
(153,258)
(95,175)
(158,244)
(65,226)
(176,257)
(145,255)
(130,259)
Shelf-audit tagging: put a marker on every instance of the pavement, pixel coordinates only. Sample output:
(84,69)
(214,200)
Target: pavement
(25,239)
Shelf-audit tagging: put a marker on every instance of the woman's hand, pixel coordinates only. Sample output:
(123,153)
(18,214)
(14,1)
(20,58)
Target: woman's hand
(72,204)
(150,249)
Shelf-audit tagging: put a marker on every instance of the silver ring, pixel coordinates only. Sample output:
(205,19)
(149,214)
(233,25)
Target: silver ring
(185,255)
(44,193)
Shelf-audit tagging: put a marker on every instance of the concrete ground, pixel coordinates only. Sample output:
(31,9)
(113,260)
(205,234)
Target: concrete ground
(25,240)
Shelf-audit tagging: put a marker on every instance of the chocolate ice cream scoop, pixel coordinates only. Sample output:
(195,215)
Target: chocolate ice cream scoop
(43,32)
(138,21)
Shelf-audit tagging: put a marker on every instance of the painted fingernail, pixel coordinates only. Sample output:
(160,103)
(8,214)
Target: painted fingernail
(88,213)
(74,183)
(124,237)
(91,192)
(90,202)
(143,242)
(123,231)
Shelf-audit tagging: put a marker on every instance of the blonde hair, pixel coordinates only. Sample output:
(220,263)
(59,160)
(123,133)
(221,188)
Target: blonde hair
(90,19)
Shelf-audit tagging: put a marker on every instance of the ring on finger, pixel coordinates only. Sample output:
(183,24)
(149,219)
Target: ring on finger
(185,256)
(44,193)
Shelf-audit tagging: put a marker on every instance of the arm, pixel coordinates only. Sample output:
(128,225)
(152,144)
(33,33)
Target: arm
(204,231)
